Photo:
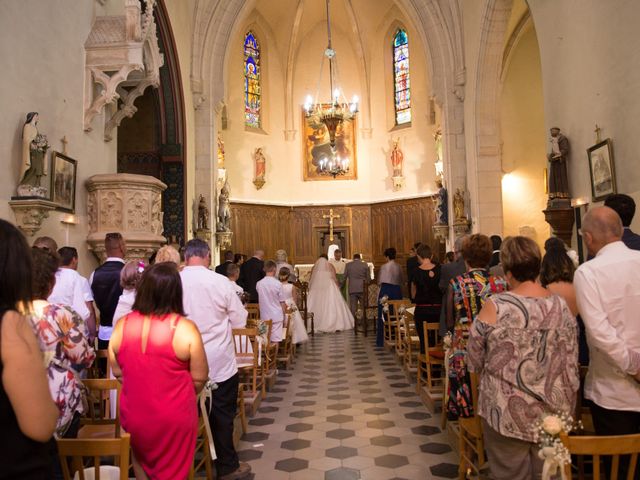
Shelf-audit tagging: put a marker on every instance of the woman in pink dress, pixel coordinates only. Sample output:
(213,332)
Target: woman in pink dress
(158,356)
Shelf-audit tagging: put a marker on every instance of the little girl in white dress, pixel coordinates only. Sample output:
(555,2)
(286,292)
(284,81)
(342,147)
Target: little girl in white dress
(298,333)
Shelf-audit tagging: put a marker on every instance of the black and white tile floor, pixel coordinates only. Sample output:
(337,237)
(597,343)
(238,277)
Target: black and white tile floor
(345,411)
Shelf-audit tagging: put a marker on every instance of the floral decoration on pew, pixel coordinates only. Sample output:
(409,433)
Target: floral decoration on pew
(554,453)
(384,301)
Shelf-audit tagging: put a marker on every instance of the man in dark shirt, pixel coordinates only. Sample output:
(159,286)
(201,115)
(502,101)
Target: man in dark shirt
(496,243)
(625,207)
(228,258)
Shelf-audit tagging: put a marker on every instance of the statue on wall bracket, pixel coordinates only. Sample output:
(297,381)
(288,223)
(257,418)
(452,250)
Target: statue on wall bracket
(397,161)
(260,168)
(33,164)
(558,179)
(461,221)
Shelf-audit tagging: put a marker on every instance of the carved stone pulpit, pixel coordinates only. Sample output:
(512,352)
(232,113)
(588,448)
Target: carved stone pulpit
(129,204)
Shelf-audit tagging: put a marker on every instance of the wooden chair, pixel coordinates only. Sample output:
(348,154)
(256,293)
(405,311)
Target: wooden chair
(393,325)
(307,316)
(411,344)
(75,451)
(470,441)
(254,311)
(605,446)
(285,350)
(102,357)
(247,358)
(269,362)
(370,306)
(99,422)
(431,371)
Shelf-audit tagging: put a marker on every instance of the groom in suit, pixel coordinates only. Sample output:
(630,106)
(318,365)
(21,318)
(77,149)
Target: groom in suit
(251,272)
(356,273)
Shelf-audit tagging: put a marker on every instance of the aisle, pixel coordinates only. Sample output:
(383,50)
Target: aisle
(345,411)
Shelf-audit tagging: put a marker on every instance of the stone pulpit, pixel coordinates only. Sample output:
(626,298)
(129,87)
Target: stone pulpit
(129,204)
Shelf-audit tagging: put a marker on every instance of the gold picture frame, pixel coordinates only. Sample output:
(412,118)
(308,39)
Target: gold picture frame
(315,146)
(602,170)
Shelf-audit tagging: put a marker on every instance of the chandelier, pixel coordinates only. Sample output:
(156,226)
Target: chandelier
(330,115)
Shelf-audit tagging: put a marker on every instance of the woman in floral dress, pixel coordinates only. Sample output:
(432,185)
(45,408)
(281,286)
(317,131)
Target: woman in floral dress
(465,297)
(62,336)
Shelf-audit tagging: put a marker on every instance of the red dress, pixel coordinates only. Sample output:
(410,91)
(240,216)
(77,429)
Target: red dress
(158,399)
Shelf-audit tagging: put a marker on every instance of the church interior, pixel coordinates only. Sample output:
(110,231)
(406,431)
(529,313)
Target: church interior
(299,124)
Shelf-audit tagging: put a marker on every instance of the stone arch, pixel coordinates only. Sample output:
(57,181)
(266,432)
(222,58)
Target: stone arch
(438,22)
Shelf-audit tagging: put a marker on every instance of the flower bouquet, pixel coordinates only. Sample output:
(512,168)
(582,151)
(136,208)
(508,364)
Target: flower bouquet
(554,453)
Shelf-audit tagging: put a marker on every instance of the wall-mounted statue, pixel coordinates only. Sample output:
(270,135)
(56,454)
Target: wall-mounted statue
(558,157)
(220,152)
(458,206)
(442,208)
(34,159)
(224,210)
(397,158)
(203,214)
(260,168)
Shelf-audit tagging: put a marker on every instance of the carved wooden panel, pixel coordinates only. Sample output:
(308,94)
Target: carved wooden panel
(298,230)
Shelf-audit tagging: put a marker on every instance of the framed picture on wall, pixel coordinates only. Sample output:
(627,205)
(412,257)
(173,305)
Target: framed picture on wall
(316,149)
(63,182)
(603,174)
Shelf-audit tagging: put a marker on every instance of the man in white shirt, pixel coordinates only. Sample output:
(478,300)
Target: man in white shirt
(271,300)
(211,302)
(608,296)
(73,290)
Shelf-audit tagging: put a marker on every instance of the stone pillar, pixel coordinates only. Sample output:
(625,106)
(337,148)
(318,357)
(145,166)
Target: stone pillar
(129,204)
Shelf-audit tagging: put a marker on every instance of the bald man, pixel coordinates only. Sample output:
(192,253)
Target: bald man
(608,295)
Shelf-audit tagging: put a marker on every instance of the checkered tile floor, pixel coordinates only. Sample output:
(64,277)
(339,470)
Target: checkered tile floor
(344,411)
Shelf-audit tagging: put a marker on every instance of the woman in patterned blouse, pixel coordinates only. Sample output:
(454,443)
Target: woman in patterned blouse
(62,336)
(465,297)
(524,347)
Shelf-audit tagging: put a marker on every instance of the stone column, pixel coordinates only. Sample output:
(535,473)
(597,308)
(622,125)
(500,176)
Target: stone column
(129,204)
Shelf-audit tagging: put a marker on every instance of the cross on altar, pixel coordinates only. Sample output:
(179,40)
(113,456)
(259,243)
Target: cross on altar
(331,217)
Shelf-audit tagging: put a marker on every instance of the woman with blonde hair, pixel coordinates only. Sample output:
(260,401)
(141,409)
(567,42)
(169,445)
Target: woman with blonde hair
(168,254)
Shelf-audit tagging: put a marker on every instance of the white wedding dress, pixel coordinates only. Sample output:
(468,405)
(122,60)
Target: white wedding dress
(298,332)
(331,313)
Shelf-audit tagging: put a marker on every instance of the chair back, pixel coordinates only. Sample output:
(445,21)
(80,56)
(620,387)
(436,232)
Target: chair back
(254,311)
(371,291)
(432,342)
(99,403)
(75,451)
(246,350)
(605,446)
(102,357)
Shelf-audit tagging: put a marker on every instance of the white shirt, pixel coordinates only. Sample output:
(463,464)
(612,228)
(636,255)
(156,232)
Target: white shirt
(125,305)
(236,288)
(608,296)
(213,305)
(69,291)
(270,294)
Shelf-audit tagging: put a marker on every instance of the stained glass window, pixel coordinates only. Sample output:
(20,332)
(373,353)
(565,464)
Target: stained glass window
(252,90)
(401,84)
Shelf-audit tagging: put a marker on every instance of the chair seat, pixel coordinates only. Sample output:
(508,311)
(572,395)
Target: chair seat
(437,354)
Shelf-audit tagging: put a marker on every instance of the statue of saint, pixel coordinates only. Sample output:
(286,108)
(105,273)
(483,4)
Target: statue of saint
(442,209)
(437,137)
(558,157)
(33,166)
(203,214)
(261,163)
(397,158)
(220,152)
(224,210)
(458,206)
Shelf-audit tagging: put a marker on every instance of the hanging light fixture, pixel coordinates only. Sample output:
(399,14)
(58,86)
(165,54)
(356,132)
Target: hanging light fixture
(333,114)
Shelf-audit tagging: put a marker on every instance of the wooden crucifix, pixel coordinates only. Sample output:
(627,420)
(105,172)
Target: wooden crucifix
(331,217)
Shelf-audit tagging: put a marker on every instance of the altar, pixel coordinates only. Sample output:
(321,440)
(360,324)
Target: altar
(303,271)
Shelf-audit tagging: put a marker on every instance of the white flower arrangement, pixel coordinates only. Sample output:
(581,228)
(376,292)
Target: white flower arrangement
(547,435)
(447,340)
(384,301)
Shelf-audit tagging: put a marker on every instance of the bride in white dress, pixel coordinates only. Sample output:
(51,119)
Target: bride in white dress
(331,312)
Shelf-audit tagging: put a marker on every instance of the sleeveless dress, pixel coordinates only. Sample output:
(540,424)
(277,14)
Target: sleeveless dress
(20,457)
(158,399)
(299,333)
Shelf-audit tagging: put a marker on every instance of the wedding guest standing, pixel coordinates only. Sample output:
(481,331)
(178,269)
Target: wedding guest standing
(412,266)
(608,300)
(390,281)
(625,207)
(251,272)
(129,279)
(28,415)
(282,261)
(520,381)
(228,259)
(168,254)
(447,272)
(356,274)
(158,355)
(426,291)
(298,332)
(272,300)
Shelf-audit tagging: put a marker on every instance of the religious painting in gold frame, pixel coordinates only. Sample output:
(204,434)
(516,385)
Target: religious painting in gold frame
(315,147)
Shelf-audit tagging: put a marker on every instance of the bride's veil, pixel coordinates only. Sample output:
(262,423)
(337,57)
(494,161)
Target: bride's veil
(323,275)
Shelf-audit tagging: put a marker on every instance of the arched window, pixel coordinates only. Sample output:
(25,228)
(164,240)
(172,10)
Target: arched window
(252,90)
(401,83)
